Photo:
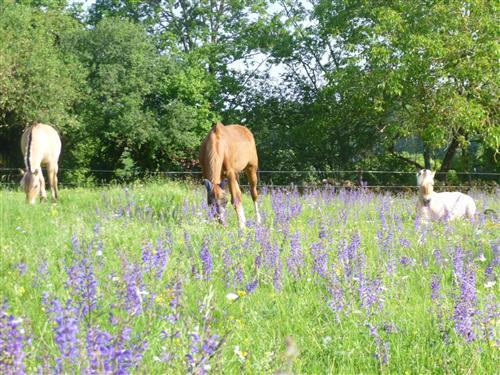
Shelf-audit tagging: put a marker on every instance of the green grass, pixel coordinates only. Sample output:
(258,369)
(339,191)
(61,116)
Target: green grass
(419,335)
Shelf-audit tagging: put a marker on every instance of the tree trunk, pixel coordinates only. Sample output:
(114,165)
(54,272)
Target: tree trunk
(427,157)
(448,157)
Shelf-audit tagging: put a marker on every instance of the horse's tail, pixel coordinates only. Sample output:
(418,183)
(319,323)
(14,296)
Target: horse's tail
(27,160)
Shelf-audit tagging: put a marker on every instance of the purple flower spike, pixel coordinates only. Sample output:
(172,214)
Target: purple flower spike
(206,260)
(12,343)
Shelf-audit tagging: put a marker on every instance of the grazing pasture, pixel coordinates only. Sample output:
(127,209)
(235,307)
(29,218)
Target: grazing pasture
(142,280)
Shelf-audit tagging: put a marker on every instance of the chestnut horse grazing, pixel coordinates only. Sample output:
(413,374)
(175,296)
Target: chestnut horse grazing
(439,206)
(40,145)
(225,152)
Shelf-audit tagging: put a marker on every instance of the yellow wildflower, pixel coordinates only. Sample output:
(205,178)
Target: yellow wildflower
(242,293)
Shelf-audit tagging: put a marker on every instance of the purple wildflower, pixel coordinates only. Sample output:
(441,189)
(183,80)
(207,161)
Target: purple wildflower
(337,300)
(348,255)
(295,261)
(383,347)
(66,328)
(83,286)
(277,275)
(437,257)
(147,256)
(370,293)
(407,261)
(465,309)
(22,268)
(320,259)
(238,276)
(160,257)
(227,265)
(206,260)
(12,343)
(435,287)
(404,242)
(134,287)
(250,287)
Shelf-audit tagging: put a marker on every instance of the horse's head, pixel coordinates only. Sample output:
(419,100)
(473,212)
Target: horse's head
(31,183)
(425,181)
(216,197)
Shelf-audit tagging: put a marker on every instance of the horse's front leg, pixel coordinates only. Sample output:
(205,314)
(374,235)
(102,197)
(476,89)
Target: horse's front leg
(236,200)
(43,193)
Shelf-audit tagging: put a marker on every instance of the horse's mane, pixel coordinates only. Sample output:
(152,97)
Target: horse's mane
(213,158)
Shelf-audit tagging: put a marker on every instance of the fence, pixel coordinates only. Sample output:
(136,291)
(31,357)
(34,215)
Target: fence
(394,180)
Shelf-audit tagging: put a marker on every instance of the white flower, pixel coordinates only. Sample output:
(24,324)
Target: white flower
(327,340)
(490,284)
(232,296)
(481,258)
(241,355)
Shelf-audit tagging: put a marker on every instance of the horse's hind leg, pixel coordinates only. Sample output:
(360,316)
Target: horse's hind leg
(251,173)
(53,169)
(234,188)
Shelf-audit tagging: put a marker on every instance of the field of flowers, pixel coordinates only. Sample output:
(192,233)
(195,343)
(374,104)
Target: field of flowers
(142,280)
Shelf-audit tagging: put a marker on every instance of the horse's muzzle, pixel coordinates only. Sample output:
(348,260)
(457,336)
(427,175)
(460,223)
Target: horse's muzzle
(427,202)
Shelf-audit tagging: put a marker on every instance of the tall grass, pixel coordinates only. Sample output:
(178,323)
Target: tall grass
(142,280)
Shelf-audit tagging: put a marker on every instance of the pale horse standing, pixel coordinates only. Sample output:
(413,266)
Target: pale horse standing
(40,145)
(441,206)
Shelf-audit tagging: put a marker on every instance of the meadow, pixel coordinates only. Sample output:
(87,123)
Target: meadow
(141,279)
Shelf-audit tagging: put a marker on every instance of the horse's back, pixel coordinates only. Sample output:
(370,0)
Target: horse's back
(45,142)
(241,146)
(458,204)
(239,133)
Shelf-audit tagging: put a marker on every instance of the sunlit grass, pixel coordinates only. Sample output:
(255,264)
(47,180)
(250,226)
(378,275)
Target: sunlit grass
(415,333)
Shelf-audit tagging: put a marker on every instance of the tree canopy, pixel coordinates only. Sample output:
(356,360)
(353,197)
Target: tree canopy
(134,86)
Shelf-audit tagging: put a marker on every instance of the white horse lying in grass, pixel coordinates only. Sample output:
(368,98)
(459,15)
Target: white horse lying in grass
(441,206)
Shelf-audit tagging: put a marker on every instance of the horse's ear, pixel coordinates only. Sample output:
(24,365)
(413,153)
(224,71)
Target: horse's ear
(223,184)
(433,174)
(207,184)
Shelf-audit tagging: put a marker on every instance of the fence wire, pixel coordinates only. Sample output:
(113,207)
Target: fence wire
(301,179)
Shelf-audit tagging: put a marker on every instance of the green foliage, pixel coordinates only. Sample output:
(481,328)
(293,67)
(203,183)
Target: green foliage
(38,80)
(430,68)
(140,106)
(134,85)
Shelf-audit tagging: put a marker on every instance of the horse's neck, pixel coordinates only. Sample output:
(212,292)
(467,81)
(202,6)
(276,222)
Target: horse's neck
(214,160)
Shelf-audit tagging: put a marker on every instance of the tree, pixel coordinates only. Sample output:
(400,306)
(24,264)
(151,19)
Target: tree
(142,110)
(220,36)
(429,67)
(38,80)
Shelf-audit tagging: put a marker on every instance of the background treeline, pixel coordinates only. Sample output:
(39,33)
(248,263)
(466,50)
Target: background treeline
(134,86)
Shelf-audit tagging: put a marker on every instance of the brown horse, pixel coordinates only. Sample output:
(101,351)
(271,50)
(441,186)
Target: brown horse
(40,144)
(225,152)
